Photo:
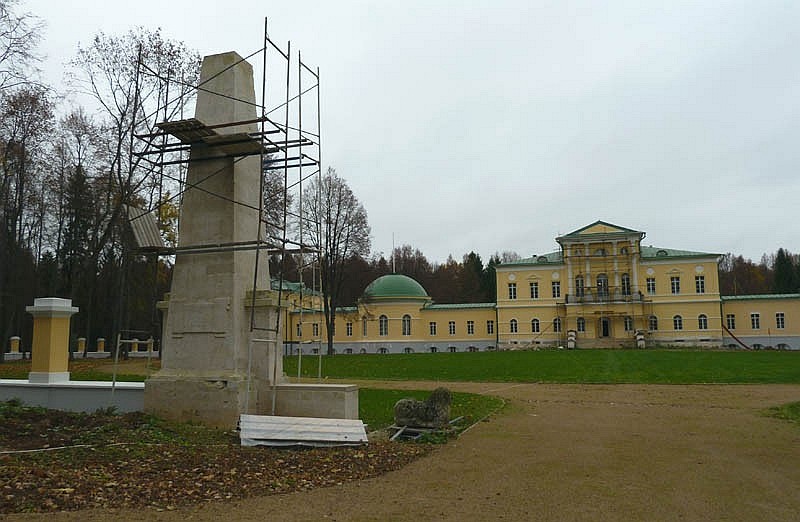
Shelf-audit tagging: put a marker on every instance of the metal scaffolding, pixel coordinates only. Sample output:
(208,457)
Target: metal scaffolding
(288,144)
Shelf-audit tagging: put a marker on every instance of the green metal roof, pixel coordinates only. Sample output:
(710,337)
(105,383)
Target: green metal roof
(758,296)
(291,286)
(657,253)
(458,306)
(395,286)
(552,258)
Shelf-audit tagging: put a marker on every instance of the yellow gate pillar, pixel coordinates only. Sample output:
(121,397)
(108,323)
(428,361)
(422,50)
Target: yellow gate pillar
(15,344)
(101,345)
(50,347)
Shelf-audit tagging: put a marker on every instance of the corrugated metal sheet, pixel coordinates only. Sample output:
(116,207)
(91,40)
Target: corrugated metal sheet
(273,430)
(145,229)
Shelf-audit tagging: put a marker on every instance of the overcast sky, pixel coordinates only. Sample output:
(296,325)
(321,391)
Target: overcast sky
(492,126)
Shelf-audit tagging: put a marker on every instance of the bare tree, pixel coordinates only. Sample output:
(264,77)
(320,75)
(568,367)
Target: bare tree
(138,79)
(343,232)
(19,35)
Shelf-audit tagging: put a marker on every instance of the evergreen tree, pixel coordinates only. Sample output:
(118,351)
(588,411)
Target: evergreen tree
(785,278)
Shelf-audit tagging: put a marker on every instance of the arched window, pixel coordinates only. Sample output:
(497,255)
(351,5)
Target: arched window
(702,322)
(513,326)
(535,325)
(652,323)
(626,284)
(406,324)
(579,291)
(383,350)
(677,322)
(602,285)
(581,324)
(348,350)
(628,323)
(408,349)
(363,350)
(557,324)
(453,349)
(433,349)
(383,325)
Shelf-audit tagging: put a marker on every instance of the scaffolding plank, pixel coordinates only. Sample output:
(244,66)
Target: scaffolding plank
(187,131)
(273,430)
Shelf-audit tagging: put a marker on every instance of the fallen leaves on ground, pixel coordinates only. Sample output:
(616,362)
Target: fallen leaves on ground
(134,460)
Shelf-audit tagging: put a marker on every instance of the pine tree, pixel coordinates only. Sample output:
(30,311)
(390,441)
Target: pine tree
(786,281)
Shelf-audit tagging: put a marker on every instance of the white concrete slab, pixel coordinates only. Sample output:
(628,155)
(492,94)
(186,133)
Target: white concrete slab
(273,430)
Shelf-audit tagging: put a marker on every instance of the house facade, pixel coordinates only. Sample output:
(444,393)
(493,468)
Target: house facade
(602,289)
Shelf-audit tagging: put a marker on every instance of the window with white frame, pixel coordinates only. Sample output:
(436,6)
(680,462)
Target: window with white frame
(556,285)
(512,290)
(675,284)
(383,325)
(535,325)
(677,322)
(755,321)
(299,330)
(406,325)
(581,324)
(512,326)
(432,326)
(628,322)
(700,284)
(626,284)
(348,328)
(602,285)
(651,285)
(315,329)
(652,323)
(534,286)
(702,322)
(364,326)
(451,326)
(470,327)
(579,286)
(408,349)
(489,326)
(557,324)
(780,321)
(730,321)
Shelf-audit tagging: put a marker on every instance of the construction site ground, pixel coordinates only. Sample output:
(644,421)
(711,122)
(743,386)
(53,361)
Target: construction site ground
(566,452)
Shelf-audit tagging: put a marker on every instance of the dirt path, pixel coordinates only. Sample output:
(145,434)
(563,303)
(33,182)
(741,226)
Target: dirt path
(570,452)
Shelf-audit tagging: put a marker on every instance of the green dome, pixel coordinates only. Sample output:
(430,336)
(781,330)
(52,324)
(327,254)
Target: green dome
(395,286)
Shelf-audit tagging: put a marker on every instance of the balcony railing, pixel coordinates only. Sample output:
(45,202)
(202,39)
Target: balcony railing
(592,296)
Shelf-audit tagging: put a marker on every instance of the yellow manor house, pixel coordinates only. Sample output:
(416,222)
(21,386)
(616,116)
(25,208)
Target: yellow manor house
(602,289)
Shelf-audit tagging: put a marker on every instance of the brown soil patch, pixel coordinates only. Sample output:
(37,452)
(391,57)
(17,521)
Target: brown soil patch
(568,452)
